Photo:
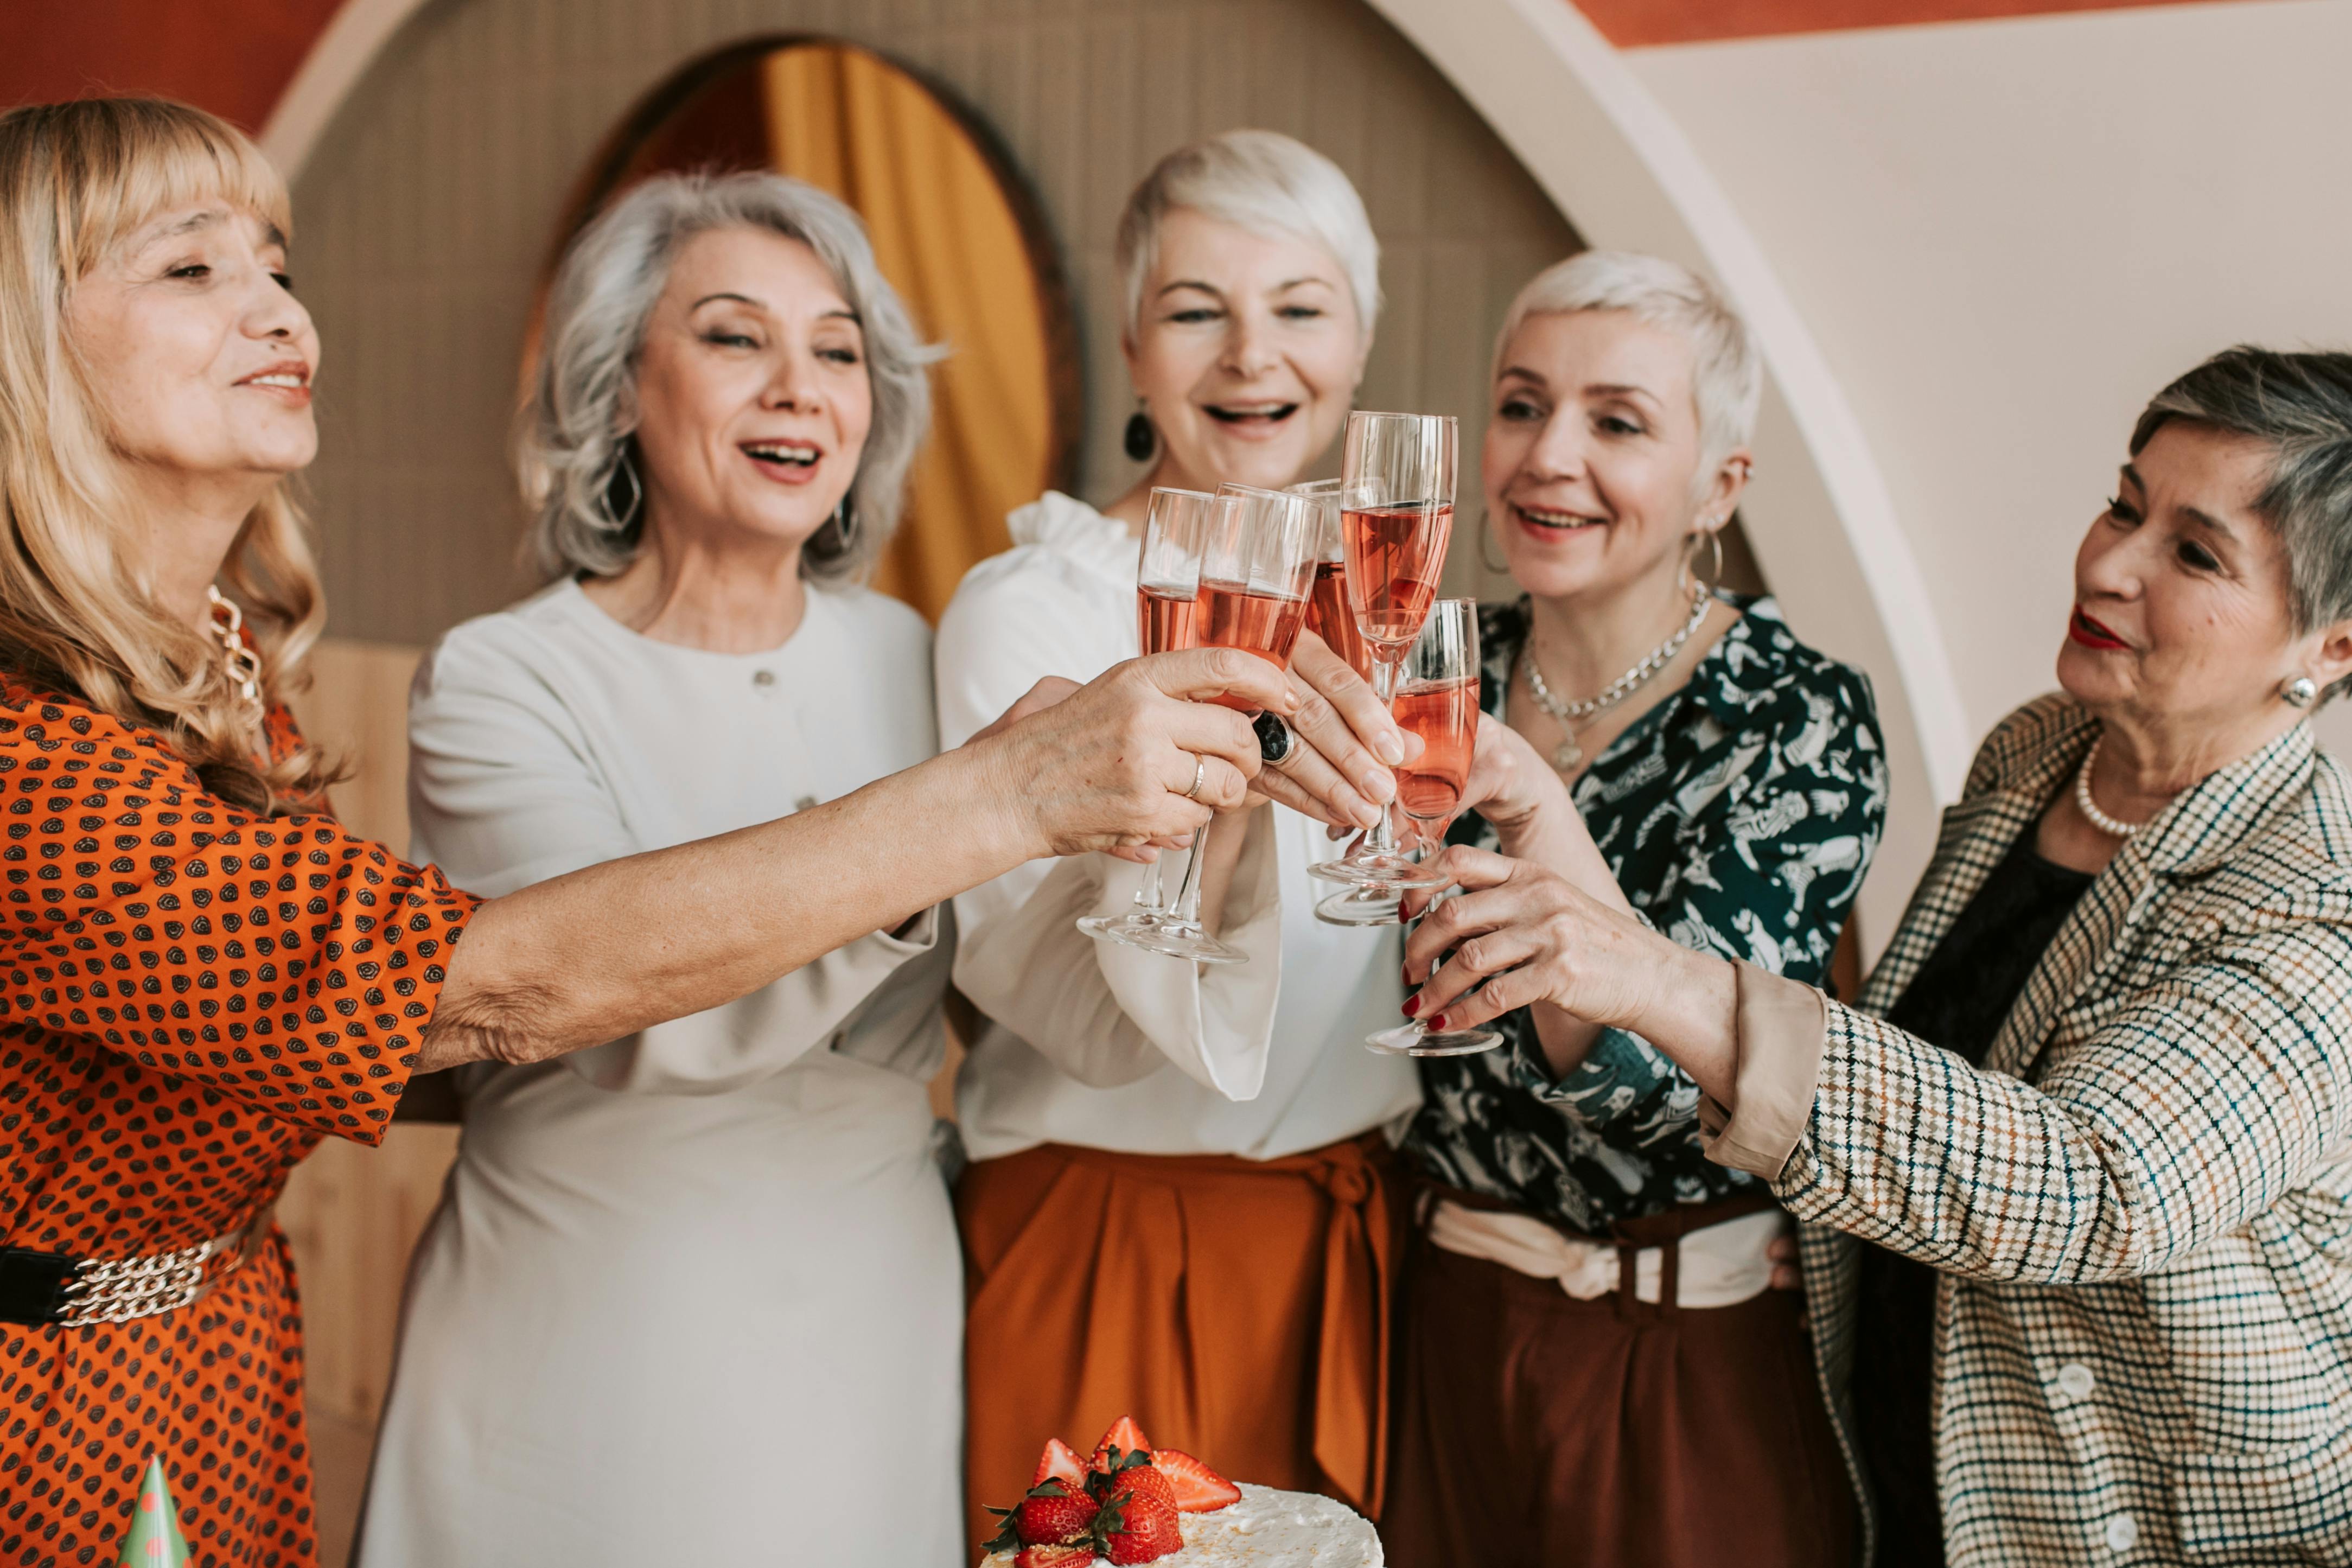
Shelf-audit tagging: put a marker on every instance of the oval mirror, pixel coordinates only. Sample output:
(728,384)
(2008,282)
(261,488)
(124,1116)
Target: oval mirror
(956,231)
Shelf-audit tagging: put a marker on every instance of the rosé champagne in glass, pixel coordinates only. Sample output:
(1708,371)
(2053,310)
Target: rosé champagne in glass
(1444,714)
(1167,620)
(1438,702)
(1330,613)
(1396,504)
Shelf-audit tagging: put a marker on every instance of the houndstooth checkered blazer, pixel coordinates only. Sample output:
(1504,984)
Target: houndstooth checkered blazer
(2143,1203)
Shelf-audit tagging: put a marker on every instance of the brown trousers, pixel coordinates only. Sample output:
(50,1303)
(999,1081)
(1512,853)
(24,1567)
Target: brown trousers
(1240,1310)
(1538,1431)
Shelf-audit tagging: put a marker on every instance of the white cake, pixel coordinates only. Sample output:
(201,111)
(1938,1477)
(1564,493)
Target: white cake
(1267,1529)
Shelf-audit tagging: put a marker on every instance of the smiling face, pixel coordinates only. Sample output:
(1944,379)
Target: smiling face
(2182,615)
(752,398)
(200,357)
(1591,454)
(1246,352)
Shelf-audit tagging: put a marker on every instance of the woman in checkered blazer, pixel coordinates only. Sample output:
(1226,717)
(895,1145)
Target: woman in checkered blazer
(2077,1168)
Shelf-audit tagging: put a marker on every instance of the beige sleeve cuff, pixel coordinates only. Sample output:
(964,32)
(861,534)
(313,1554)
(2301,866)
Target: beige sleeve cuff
(1782,1026)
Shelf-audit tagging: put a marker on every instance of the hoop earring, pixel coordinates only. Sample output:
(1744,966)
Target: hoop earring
(2300,692)
(1485,547)
(1140,438)
(1714,536)
(622,517)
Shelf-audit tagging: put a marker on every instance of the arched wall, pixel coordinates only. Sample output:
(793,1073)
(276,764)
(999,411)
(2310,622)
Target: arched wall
(1556,94)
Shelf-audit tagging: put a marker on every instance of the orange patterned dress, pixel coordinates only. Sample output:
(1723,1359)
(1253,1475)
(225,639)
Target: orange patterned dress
(191,998)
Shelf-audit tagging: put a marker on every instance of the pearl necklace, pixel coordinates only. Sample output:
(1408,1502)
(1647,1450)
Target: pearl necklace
(244,667)
(2090,808)
(1574,716)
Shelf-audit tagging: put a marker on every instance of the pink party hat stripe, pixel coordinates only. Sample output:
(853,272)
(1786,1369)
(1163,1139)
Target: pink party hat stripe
(154,1541)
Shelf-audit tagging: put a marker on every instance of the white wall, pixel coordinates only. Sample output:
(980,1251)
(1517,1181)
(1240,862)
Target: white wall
(2006,234)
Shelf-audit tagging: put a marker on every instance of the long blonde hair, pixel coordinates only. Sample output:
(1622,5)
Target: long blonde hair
(76,614)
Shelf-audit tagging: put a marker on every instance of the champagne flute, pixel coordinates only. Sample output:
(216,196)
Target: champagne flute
(1438,700)
(1166,590)
(1257,563)
(1396,504)
(1329,614)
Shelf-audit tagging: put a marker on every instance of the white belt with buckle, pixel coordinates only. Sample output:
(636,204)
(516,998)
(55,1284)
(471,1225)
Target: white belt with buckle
(1720,1266)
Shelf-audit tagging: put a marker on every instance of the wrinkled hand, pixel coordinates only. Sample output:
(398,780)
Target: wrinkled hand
(1052,689)
(1108,766)
(1342,766)
(1521,933)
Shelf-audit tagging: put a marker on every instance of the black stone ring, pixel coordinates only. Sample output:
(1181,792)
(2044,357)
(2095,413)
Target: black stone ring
(1275,741)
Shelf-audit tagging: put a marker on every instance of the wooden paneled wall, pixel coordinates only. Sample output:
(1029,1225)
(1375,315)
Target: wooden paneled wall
(425,219)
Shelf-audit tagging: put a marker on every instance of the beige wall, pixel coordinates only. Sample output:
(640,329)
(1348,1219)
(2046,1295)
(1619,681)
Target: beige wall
(2005,235)
(427,208)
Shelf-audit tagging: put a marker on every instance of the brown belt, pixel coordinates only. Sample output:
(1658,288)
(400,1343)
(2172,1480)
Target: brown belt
(43,1288)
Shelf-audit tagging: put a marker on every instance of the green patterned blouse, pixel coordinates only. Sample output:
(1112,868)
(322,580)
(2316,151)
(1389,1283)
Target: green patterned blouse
(1739,816)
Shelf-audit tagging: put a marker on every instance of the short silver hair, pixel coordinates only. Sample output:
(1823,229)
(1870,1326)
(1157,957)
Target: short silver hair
(1726,371)
(2300,406)
(577,431)
(1263,182)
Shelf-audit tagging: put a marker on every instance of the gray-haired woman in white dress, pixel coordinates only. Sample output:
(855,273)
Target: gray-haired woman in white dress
(693,1295)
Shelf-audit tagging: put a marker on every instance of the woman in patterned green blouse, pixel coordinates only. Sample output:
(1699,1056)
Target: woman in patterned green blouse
(2075,1167)
(1595,1369)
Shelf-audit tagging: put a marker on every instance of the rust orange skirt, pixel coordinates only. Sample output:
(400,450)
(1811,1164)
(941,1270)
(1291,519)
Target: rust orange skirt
(1239,1309)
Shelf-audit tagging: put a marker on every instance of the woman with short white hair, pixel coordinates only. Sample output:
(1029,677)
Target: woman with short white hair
(1595,1368)
(1179,1202)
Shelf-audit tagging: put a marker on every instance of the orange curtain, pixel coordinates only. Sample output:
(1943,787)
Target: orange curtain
(948,240)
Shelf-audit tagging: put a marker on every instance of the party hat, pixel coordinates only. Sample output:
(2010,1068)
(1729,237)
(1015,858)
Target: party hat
(154,1541)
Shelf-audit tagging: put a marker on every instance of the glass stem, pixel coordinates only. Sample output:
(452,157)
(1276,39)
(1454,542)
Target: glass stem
(1382,840)
(1187,894)
(1146,897)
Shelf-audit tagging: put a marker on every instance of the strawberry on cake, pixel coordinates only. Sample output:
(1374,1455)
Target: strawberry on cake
(1134,1503)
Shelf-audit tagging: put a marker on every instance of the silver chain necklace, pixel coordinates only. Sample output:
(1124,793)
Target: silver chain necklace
(1574,716)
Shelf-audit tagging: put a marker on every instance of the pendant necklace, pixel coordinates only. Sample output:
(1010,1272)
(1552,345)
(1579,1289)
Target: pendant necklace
(1574,716)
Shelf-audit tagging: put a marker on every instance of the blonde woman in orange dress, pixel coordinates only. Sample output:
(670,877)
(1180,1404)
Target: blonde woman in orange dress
(203,975)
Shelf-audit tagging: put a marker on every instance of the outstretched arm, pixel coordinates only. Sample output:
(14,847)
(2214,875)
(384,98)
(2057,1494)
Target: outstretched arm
(604,952)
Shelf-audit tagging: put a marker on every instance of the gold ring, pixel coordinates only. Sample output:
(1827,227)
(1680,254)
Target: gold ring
(1200,772)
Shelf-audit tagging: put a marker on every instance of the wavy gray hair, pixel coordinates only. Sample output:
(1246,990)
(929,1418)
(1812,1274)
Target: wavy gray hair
(577,430)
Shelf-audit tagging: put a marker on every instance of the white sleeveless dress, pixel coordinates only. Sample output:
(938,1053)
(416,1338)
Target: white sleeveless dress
(694,1296)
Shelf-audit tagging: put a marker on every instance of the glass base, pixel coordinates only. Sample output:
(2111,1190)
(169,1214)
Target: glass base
(1370,868)
(1413,1040)
(1164,934)
(1367,906)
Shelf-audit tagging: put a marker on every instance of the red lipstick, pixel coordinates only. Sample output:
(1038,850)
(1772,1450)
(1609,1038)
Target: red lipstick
(2083,629)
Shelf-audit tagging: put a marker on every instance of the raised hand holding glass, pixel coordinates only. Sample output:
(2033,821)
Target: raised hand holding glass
(1167,602)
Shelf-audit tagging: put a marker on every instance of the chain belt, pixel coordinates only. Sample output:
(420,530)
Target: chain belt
(41,1288)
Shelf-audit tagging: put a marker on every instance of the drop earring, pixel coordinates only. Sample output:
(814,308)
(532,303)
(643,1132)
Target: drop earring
(1140,438)
(2300,692)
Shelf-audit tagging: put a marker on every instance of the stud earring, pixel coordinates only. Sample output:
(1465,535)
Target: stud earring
(2300,692)
(1140,438)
